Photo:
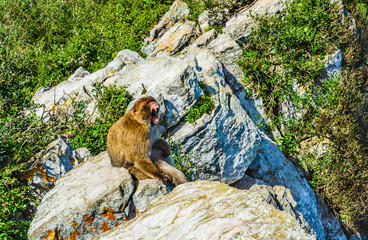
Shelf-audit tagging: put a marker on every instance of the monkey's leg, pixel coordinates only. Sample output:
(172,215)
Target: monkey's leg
(173,174)
(144,168)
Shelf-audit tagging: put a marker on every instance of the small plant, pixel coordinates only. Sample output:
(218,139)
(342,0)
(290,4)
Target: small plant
(183,161)
(205,105)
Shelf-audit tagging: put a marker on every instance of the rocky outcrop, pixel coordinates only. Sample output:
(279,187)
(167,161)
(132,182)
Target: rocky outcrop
(210,210)
(225,144)
(49,165)
(92,198)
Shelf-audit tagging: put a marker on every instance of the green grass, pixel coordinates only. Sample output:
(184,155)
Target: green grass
(289,50)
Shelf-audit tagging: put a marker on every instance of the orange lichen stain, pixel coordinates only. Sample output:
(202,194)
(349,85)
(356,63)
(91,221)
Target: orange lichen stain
(74,224)
(109,213)
(88,219)
(92,230)
(167,19)
(125,219)
(51,235)
(117,224)
(73,235)
(286,160)
(28,175)
(153,41)
(84,229)
(105,227)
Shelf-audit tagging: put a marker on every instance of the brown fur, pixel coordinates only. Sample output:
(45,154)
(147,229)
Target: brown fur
(129,145)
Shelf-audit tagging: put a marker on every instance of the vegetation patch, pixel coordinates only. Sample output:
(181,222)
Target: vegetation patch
(205,105)
(184,161)
(283,61)
(41,44)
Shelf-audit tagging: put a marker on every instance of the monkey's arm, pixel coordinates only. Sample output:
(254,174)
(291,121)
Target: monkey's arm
(163,145)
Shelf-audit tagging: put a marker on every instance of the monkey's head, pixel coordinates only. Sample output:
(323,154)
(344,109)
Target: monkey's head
(146,109)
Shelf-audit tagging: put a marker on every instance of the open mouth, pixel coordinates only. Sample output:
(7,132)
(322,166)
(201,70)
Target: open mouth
(154,115)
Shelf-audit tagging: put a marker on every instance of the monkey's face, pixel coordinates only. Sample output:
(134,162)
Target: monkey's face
(154,108)
(147,109)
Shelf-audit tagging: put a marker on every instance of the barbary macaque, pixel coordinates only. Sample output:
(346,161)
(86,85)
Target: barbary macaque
(132,144)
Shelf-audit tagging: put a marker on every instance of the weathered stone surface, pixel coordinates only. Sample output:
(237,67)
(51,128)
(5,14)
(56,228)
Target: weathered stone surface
(147,190)
(84,154)
(225,144)
(173,80)
(329,222)
(91,199)
(278,196)
(273,169)
(79,86)
(49,165)
(228,52)
(239,26)
(210,210)
(172,32)
(227,141)
(333,64)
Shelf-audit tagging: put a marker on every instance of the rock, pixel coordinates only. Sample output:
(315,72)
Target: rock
(333,63)
(228,52)
(213,18)
(239,27)
(329,221)
(84,154)
(210,210)
(91,199)
(79,86)
(78,74)
(49,165)
(278,196)
(147,190)
(172,32)
(204,21)
(125,58)
(203,40)
(173,79)
(272,168)
(225,142)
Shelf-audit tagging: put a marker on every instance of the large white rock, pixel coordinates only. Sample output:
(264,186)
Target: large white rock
(171,79)
(239,27)
(91,199)
(210,210)
(79,86)
(225,142)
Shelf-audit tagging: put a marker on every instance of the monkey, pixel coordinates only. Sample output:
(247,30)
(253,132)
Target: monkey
(160,156)
(132,144)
